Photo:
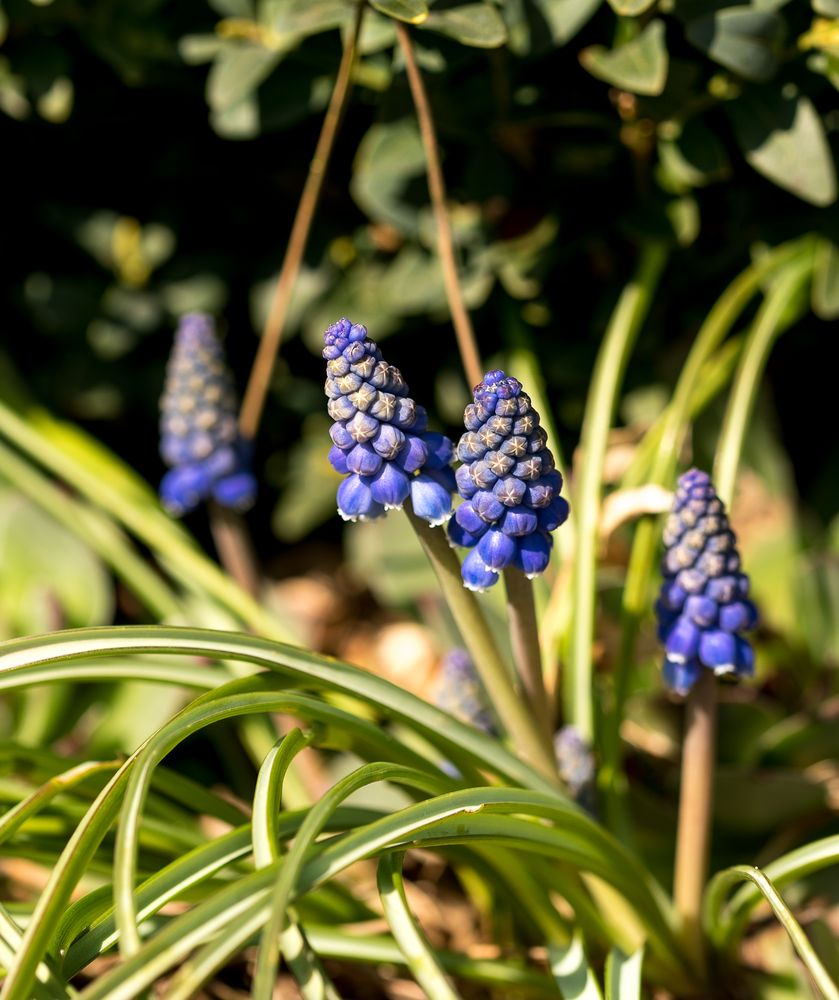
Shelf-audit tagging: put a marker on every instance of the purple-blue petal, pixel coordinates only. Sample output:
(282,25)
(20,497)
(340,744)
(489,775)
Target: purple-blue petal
(476,575)
(431,501)
(533,553)
(237,491)
(355,499)
(183,488)
(440,450)
(718,651)
(496,549)
(390,486)
(680,677)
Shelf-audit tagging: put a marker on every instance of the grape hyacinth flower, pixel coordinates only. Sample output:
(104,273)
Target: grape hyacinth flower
(199,438)
(509,484)
(379,437)
(461,693)
(575,763)
(703,604)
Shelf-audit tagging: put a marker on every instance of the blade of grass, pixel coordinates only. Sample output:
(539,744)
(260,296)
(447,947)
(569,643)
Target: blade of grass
(623,975)
(572,973)
(624,326)
(418,954)
(772,319)
(730,876)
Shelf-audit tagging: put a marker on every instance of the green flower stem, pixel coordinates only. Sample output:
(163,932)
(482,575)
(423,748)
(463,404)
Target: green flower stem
(506,701)
(235,548)
(611,363)
(636,594)
(696,795)
(527,655)
(437,189)
(253,401)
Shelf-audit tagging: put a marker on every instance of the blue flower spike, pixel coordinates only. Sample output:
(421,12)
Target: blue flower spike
(509,484)
(461,693)
(379,437)
(703,606)
(199,438)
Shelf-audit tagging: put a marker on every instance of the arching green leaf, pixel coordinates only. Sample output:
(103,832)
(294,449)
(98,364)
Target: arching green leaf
(640,66)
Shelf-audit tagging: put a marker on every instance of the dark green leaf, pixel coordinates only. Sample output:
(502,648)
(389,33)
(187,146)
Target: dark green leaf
(389,156)
(564,18)
(477,24)
(639,66)
(694,158)
(412,11)
(783,138)
(304,17)
(237,71)
(742,39)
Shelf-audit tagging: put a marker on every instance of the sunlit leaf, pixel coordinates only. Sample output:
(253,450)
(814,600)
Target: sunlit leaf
(742,39)
(783,138)
(477,24)
(826,280)
(639,66)
(412,11)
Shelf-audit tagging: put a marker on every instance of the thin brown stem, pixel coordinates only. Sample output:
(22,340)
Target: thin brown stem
(695,811)
(234,547)
(437,188)
(260,377)
(524,637)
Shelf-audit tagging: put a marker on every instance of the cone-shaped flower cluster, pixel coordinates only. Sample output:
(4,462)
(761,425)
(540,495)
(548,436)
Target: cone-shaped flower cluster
(703,605)
(575,763)
(509,483)
(198,433)
(461,693)
(379,437)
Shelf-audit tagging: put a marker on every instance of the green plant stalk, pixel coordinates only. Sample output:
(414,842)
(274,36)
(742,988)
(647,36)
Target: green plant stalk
(527,655)
(97,531)
(723,880)
(253,401)
(420,957)
(464,333)
(149,523)
(717,325)
(769,323)
(505,699)
(612,359)
(696,796)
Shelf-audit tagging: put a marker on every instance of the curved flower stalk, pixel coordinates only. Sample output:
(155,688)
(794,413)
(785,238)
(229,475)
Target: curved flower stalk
(509,484)
(379,438)
(703,605)
(198,433)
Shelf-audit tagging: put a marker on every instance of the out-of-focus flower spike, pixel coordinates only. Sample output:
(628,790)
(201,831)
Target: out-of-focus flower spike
(575,763)
(461,693)
(703,604)
(509,485)
(199,437)
(379,436)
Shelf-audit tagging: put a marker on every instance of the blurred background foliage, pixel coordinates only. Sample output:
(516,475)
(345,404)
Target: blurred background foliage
(154,154)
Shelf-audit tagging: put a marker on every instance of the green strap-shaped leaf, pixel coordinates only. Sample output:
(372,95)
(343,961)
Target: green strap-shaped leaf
(783,138)
(476,24)
(571,971)
(412,11)
(623,975)
(742,39)
(640,66)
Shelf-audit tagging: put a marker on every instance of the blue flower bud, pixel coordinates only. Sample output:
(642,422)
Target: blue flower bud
(199,437)
(508,482)
(575,763)
(379,436)
(703,603)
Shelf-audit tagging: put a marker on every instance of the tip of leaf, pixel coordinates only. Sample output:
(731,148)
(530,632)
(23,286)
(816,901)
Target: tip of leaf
(419,18)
